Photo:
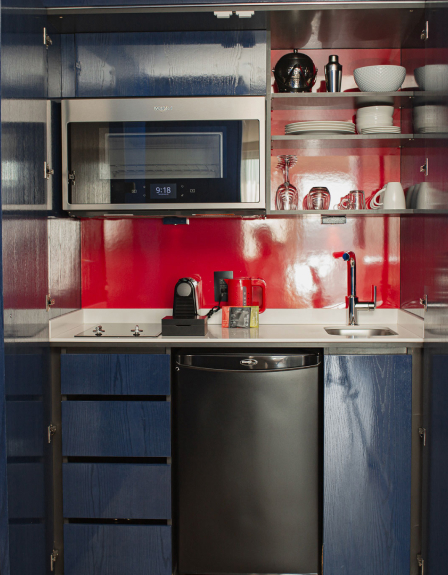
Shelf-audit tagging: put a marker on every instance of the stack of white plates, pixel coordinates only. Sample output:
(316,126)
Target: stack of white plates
(382,130)
(376,120)
(323,127)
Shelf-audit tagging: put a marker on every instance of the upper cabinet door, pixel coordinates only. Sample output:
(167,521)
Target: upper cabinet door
(143,64)
(62,3)
(367,464)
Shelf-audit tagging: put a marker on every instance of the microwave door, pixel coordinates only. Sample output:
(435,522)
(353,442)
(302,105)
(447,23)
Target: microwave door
(158,165)
(175,154)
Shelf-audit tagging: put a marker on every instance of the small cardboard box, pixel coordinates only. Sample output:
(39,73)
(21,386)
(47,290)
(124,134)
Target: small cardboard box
(244,316)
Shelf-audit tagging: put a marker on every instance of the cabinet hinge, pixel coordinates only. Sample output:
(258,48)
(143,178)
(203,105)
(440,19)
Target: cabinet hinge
(421,564)
(47,40)
(425,168)
(425,33)
(47,171)
(422,433)
(51,431)
(48,302)
(53,557)
(71,178)
(424,302)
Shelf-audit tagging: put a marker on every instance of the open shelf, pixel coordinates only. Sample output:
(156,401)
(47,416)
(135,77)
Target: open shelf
(311,141)
(340,100)
(345,213)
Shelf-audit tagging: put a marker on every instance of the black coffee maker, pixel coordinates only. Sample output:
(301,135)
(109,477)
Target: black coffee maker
(185,319)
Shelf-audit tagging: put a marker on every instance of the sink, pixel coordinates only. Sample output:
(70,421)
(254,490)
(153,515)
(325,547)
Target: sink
(360,331)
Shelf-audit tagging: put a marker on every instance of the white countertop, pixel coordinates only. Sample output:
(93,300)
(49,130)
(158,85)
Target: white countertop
(288,326)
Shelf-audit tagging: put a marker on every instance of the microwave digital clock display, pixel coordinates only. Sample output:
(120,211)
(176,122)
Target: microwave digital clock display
(163,191)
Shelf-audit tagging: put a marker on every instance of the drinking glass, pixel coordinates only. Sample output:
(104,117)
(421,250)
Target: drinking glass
(356,200)
(343,204)
(287,196)
(318,199)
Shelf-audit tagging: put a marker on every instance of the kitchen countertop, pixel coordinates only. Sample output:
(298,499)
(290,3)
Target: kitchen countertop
(277,327)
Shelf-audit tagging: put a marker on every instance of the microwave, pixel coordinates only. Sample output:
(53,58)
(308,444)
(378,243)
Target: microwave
(164,156)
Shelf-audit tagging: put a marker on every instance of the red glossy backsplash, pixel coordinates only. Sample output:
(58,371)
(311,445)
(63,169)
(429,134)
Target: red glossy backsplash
(135,263)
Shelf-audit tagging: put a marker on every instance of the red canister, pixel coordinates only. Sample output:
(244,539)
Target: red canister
(241,292)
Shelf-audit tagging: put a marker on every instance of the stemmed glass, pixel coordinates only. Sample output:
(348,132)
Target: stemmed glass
(287,196)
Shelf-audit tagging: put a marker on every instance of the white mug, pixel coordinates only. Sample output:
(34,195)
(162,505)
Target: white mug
(393,197)
(429,198)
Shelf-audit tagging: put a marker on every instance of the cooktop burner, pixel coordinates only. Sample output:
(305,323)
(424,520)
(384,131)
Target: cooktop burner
(122,330)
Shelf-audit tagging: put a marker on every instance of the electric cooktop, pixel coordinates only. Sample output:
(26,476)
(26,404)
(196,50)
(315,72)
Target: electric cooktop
(123,330)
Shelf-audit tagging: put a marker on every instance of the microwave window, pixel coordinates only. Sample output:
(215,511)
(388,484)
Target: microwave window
(185,162)
(168,155)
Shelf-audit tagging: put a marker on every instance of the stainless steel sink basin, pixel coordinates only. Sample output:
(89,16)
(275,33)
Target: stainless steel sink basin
(360,331)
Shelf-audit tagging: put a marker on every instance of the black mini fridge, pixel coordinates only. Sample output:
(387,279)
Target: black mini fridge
(248,461)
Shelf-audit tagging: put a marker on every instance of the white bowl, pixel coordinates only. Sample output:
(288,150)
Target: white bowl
(375,110)
(379,78)
(379,118)
(432,118)
(433,77)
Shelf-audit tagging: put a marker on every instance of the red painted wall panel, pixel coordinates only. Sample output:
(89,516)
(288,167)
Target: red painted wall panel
(135,263)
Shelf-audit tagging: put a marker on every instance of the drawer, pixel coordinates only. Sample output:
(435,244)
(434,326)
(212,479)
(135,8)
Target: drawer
(110,374)
(116,429)
(27,549)
(117,490)
(117,549)
(26,490)
(25,431)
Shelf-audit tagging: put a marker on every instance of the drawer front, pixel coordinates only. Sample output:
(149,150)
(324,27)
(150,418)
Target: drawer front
(117,549)
(110,374)
(116,429)
(25,431)
(27,549)
(117,490)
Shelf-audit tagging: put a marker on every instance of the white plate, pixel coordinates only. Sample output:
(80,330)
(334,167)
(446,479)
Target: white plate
(348,128)
(323,124)
(333,124)
(433,130)
(323,131)
(382,131)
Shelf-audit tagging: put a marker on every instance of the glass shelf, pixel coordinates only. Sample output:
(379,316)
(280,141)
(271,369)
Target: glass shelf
(349,213)
(311,141)
(341,100)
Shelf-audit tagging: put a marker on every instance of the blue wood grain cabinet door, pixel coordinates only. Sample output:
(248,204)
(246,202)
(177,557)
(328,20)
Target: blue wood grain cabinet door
(117,549)
(116,429)
(162,64)
(117,490)
(109,374)
(367,464)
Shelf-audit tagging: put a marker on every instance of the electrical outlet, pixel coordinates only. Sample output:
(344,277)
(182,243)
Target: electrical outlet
(221,286)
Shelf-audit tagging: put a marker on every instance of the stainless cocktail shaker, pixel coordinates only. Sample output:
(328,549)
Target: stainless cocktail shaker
(333,74)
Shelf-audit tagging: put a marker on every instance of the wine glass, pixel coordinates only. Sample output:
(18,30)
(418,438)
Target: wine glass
(287,196)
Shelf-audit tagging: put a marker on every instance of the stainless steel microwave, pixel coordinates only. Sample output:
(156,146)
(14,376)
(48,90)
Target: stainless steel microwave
(164,155)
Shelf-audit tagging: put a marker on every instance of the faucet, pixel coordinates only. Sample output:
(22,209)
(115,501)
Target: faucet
(353,303)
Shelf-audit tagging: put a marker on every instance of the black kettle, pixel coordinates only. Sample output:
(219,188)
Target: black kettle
(295,72)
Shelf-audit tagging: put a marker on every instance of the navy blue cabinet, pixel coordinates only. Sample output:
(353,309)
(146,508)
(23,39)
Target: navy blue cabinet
(110,374)
(117,490)
(114,408)
(117,549)
(55,3)
(116,429)
(367,464)
(164,64)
